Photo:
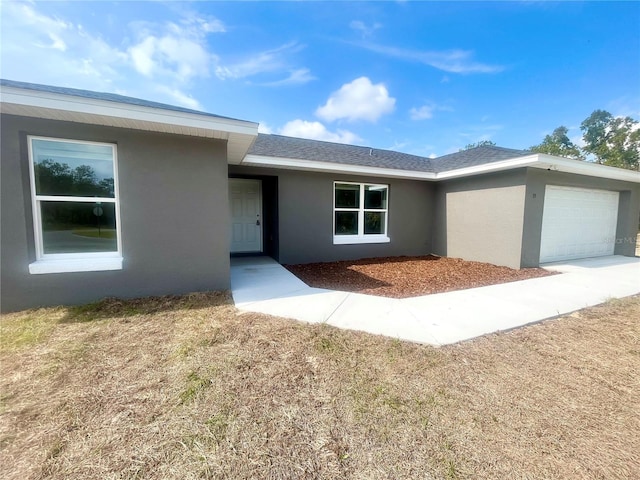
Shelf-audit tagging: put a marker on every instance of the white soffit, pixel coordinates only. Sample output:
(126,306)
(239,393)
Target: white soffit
(55,106)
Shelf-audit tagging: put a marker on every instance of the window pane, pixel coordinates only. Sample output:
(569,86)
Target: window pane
(77,227)
(346,223)
(347,196)
(375,197)
(374,223)
(73,169)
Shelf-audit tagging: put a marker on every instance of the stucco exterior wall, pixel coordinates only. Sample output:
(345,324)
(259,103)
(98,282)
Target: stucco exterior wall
(305,213)
(537,180)
(481,218)
(174,217)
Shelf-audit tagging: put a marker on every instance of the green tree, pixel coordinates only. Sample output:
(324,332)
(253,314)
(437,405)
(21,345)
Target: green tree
(613,141)
(481,143)
(559,144)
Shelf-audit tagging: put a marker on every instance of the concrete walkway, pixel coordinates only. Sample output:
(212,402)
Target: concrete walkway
(260,284)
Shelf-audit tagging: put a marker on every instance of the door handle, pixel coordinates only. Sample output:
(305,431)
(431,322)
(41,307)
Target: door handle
(258,222)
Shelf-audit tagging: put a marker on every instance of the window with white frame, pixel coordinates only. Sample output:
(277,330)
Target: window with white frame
(360,212)
(75,205)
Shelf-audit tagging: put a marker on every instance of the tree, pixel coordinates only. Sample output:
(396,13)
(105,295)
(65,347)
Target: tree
(559,144)
(613,141)
(608,140)
(481,143)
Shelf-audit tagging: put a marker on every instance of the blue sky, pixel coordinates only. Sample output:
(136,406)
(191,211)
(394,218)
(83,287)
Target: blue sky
(419,77)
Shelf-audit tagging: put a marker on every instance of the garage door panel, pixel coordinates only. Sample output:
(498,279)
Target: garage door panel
(578,223)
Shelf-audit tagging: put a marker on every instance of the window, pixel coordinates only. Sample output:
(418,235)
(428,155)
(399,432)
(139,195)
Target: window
(360,213)
(75,206)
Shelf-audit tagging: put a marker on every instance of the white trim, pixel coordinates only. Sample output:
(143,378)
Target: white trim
(94,106)
(355,239)
(361,237)
(581,167)
(81,261)
(537,160)
(316,166)
(488,167)
(69,265)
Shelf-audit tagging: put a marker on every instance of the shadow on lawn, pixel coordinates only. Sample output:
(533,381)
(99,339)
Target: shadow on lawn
(117,307)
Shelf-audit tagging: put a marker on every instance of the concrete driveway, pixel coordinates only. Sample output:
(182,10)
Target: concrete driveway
(260,284)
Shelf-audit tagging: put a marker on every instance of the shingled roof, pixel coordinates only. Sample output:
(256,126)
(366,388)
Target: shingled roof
(108,97)
(315,150)
(476,156)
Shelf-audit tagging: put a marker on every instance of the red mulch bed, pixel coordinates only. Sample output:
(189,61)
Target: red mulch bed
(402,277)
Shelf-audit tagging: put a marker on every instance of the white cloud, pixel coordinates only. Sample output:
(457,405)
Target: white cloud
(433,155)
(158,63)
(452,61)
(358,100)
(296,77)
(317,131)
(264,128)
(203,23)
(364,29)
(172,50)
(57,43)
(421,113)
(427,111)
(180,98)
(261,62)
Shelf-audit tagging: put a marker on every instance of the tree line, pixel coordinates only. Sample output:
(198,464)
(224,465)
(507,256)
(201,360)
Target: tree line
(607,140)
(55,178)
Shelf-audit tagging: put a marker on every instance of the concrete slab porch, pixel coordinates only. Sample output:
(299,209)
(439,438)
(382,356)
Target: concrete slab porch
(260,284)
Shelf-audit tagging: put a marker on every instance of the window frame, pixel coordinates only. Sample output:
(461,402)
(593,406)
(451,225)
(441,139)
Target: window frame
(361,237)
(72,262)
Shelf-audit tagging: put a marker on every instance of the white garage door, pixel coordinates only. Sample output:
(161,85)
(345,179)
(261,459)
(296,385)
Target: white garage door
(578,223)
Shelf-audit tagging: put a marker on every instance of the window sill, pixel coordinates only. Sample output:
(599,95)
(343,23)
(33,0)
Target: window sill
(75,265)
(355,239)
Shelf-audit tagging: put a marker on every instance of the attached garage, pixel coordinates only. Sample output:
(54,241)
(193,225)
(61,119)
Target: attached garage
(578,223)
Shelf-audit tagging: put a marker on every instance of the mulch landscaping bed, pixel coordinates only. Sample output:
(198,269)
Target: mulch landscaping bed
(402,277)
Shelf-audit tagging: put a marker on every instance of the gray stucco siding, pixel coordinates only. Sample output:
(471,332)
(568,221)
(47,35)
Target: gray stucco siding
(305,213)
(481,218)
(537,181)
(173,210)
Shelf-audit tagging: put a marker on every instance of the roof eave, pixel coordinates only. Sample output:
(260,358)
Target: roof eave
(239,134)
(541,161)
(580,167)
(330,167)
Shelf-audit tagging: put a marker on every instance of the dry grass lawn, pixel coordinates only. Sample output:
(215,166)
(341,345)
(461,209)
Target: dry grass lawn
(186,387)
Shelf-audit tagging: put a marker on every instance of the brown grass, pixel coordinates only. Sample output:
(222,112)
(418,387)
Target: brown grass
(186,387)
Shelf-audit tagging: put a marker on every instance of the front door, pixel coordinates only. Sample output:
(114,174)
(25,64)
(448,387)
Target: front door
(245,199)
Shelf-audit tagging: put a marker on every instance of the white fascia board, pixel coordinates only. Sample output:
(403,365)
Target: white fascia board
(582,167)
(91,106)
(316,166)
(542,161)
(510,164)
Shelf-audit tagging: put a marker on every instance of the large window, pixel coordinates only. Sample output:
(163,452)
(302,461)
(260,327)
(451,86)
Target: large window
(360,213)
(75,205)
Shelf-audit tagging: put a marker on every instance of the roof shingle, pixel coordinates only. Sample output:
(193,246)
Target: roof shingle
(339,153)
(314,150)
